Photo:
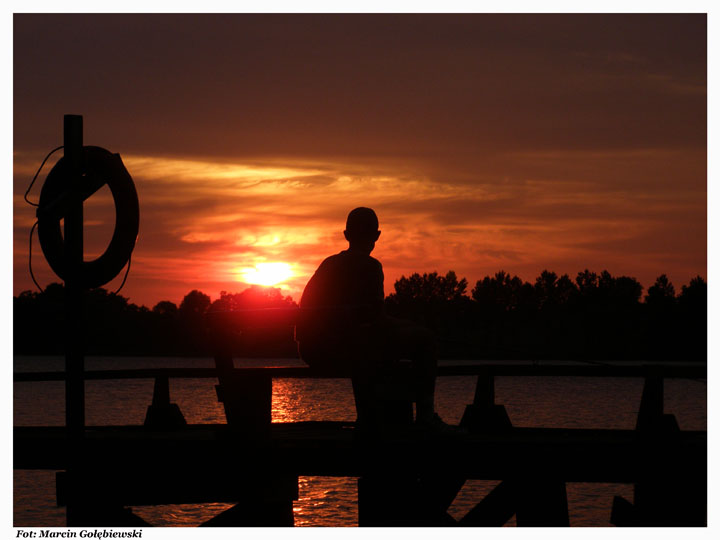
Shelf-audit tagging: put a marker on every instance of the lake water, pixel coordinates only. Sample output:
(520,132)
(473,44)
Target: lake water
(562,402)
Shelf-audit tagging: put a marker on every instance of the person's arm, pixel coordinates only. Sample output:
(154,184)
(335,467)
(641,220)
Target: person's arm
(307,325)
(378,294)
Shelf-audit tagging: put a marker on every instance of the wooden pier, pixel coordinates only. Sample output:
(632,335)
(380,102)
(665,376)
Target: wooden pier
(407,477)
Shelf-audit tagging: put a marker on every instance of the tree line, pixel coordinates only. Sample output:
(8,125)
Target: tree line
(594,316)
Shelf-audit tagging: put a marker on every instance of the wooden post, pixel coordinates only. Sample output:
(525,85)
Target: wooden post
(161,413)
(660,497)
(541,502)
(74,342)
(77,501)
(268,502)
(483,414)
(485,390)
(651,404)
(91,500)
(247,399)
(248,410)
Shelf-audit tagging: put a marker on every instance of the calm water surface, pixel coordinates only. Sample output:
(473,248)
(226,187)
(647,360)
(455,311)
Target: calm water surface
(562,402)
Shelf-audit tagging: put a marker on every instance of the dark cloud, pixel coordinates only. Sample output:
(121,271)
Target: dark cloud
(362,84)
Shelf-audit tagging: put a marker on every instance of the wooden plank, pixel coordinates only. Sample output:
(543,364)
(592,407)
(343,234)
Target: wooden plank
(694,370)
(253,513)
(332,450)
(142,485)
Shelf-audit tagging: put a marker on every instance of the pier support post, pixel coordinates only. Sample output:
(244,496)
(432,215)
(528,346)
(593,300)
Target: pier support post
(671,490)
(535,502)
(248,404)
(74,299)
(398,501)
(161,413)
(90,504)
(541,502)
(269,503)
(74,289)
(248,409)
(383,403)
(247,399)
(483,414)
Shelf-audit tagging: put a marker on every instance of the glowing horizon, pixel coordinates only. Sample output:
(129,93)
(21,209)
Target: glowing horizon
(273,225)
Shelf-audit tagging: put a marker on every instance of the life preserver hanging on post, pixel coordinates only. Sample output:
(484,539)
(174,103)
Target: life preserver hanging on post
(100,167)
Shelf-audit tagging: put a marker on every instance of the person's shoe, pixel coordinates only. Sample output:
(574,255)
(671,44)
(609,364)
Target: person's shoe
(435,424)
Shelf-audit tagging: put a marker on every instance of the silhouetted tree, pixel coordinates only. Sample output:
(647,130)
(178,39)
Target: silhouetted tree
(194,304)
(498,293)
(565,289)
(597,316)
(552,291)
(661,320)
(554,326)
(436,302)
(504,305)
(254,297)
(545,288)
(430,287)
(260,341)
(587,282)
(692,304)
(618,316)
(662,293)
(620,291)
(694,295)
(165,308)
(191,317)
(108,323)
(39,321)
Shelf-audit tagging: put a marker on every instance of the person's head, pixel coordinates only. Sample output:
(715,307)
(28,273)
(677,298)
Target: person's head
(361,229)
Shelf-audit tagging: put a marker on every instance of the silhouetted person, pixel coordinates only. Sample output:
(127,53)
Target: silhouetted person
(344,319)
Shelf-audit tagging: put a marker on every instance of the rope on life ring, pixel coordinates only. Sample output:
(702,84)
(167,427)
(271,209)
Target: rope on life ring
(99,167)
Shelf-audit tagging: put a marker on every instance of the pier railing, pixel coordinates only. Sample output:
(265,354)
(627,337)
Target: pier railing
(666,491)
(650,411)
(405,476)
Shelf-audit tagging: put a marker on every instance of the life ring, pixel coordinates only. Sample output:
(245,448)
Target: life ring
(99,167)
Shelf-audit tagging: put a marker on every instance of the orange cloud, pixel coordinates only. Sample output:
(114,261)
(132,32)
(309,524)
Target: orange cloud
(204,221)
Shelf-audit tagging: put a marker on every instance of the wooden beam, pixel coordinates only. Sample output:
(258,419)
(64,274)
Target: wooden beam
(689,371)
(495,510)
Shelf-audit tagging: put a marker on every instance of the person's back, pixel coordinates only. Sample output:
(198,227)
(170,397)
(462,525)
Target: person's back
(346,290)
(343,325)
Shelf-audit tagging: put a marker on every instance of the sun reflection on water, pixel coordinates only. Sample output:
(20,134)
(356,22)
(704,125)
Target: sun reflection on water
(307,400)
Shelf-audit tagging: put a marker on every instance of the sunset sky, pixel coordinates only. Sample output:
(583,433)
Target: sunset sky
(483,142)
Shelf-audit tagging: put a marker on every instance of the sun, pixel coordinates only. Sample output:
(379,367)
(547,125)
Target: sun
(267,274)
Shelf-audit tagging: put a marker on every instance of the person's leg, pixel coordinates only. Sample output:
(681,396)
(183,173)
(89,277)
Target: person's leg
(353,355)
(405,339)
(424,361)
